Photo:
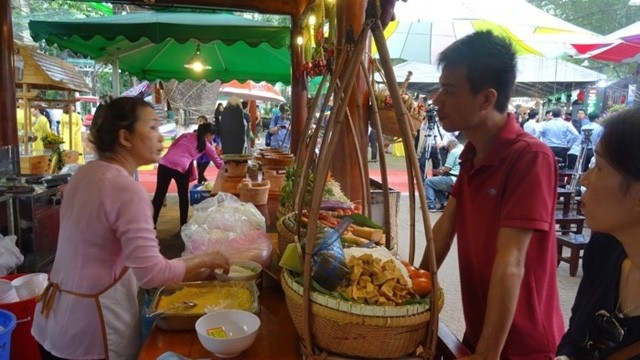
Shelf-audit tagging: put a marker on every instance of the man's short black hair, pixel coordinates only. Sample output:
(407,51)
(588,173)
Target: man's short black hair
(593,116)
(556,112)
(490,62)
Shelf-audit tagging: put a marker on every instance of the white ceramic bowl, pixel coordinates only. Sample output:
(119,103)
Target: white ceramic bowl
(8,293)
(30,285)
(239,327)
(240,270)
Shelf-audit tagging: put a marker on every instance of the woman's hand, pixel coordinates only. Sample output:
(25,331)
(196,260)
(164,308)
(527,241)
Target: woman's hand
(201,266)
(218,260)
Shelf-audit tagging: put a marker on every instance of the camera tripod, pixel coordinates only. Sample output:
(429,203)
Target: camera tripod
(579,165)
(431,140)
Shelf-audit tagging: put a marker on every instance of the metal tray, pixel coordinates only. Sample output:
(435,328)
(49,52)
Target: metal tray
(177,322)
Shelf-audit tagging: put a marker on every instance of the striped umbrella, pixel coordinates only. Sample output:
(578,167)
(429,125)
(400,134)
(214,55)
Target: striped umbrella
(620,46)
(425,28)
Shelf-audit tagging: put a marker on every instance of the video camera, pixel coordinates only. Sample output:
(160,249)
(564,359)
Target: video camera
(586,136)
(432,117)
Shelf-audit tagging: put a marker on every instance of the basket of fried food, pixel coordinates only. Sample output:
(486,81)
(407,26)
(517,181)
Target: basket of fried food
(376,312)
(388,119)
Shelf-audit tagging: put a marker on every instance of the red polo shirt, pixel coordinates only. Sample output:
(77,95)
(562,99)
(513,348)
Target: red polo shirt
(514,186)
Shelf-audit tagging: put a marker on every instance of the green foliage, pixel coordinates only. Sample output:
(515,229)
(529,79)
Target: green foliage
(25,10)
(602,17)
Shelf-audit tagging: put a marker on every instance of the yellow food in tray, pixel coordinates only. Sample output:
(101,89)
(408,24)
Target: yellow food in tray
(219,297)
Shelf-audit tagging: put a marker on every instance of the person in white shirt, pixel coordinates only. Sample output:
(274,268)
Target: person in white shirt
(532,125)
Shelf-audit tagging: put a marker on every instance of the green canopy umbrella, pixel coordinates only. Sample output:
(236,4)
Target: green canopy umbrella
(156,45)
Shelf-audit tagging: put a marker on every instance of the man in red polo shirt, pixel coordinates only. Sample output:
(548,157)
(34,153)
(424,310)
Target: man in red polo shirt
(501,208)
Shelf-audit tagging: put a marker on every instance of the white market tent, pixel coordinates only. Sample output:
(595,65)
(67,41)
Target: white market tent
(425,28)
(537,76)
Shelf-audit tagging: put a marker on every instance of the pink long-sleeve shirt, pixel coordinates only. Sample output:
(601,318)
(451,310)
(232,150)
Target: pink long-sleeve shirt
(183,151)
(106,224)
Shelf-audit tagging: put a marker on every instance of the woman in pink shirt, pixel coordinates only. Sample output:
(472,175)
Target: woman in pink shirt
(177,164)
(107,245)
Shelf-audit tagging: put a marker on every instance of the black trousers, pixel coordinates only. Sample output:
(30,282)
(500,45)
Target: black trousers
(373,142)
(165,174)
(202,167)
(560,153)
(572,159)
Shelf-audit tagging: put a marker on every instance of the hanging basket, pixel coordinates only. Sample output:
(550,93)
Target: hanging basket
(362,331)
(51,146)
(390,124)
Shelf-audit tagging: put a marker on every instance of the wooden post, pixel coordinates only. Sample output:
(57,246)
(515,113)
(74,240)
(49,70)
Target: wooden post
(9,133)
(350,18)
(9,159)
(299,92)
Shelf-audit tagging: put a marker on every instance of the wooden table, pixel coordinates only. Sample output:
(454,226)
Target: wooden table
(564,176)
(565,195)
(567,221)
(277,338)
(576,243)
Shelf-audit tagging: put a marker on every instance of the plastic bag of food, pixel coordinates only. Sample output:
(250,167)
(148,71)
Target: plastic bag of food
(10,256)
(226,224)
(329,265)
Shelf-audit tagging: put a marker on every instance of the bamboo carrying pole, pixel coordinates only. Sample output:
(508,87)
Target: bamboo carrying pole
(345,73)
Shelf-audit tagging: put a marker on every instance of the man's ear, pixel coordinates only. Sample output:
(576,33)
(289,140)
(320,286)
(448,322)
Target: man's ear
(488,99)
(124,138)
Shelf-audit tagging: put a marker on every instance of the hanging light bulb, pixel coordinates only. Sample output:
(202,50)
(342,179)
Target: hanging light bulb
(299,40)
(197,62)
(312,20)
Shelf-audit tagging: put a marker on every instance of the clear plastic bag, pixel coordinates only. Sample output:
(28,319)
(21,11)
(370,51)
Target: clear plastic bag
(329,265)
(226,224)
(10,256)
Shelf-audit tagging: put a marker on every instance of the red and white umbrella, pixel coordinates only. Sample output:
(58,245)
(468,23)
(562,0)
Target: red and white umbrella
(620,46)
(251,91)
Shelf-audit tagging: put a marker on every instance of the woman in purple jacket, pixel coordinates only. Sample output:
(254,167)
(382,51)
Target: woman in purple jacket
(177,164)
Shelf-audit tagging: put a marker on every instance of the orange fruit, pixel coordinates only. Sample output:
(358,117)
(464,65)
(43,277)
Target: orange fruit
(419,273)
(422,286)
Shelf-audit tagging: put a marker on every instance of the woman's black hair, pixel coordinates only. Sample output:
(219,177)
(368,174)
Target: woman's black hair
(620,145)
(112,116)
(204,129)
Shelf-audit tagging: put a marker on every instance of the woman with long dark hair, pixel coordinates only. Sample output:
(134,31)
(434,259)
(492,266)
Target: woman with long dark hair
(177,164)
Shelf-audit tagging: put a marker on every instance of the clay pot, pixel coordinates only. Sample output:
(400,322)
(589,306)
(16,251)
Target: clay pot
(235,165)
(276,178)
(256,193)
(278,160)
(235,169)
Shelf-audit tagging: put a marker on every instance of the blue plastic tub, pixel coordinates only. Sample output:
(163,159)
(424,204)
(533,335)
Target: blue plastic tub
(7,324)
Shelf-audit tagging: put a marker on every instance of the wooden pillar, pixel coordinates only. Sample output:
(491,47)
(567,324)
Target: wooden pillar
(299,92)
(9,154)
(350,18)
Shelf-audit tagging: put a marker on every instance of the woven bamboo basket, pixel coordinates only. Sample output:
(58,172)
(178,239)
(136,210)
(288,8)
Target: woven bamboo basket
(282,211)
(390,124)
(346,328)
(285,235)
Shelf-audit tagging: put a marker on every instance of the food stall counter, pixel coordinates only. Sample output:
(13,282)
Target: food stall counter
(277,337)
